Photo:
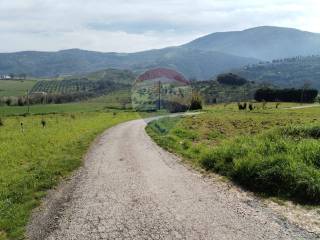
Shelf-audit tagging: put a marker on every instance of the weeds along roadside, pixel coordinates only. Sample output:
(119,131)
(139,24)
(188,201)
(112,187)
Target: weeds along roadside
(35,156)
(282,161)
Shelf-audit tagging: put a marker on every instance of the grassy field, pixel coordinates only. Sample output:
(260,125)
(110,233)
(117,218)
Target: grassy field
(34,159)
(115,100)
(53,108)
(10,88)
(274,152)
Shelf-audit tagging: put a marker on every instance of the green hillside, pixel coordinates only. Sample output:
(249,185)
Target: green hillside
(191,62)
(202,58)
(100,82)
(291,72)
(265,43)
(110,75)
(214,92)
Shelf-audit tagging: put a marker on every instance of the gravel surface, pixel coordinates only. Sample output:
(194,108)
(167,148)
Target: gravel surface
(129,188)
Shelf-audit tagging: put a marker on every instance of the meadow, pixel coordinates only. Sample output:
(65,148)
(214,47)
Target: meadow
(273,152)
(115,100)
(34,158)
(52,108)
(9,88)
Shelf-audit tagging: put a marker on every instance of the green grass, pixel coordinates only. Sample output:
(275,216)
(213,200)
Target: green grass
(274,152)
(35,159)
(113,100)
(10,88)
(53,108)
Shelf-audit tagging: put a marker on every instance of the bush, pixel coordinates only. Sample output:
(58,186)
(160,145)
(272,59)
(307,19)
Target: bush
(1,122)
(21,101)
(231,79)
(196,102)
(175,107)
(8,101)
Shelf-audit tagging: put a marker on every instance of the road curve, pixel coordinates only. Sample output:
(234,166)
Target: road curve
(130,188)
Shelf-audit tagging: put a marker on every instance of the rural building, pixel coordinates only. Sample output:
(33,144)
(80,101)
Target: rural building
(5,77)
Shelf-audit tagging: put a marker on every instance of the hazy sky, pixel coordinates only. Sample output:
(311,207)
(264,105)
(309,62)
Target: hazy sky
(134,25)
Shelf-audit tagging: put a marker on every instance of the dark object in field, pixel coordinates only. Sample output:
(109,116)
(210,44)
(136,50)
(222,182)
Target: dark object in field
(196,102)
(1,122)
(22,127)
(43,123)
(73,116)
(251,107)
(114,113)
(8,101)
(242,106)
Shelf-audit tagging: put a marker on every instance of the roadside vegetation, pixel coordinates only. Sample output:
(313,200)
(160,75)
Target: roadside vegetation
(36,152)
(274,152)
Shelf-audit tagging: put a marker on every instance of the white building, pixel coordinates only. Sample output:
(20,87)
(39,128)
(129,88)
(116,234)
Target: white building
(5,77)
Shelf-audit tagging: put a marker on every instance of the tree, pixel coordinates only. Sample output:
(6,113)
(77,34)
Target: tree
(21,101)
(196,102)
(8,101)
(286,95)
(231,79)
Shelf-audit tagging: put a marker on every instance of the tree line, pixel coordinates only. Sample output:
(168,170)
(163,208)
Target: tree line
(46,99)
(286,95)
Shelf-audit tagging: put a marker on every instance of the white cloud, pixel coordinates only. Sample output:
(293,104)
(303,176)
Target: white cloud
(127,26)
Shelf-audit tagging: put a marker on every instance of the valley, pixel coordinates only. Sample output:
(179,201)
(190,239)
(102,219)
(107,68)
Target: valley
(84,137)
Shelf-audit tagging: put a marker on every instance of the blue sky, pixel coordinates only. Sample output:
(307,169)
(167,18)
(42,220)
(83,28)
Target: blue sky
(135,25)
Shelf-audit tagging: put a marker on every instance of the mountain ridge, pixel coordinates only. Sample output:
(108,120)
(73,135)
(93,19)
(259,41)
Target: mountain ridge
(201,58)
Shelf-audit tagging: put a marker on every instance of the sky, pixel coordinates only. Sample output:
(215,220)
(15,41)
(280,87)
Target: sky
(136,25)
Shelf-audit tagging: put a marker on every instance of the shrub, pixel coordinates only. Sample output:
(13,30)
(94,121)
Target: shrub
(196,102)
(8,101)
(175,105)
(21,101)
(43,123)
(1,122)
(231,79)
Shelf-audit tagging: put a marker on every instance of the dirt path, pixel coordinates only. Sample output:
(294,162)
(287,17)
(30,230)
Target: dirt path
(130,188)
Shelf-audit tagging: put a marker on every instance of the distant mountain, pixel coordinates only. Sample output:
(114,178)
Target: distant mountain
(265,43)
(291,72)
(196,64)
(201,58)
(50,64)
(192,63)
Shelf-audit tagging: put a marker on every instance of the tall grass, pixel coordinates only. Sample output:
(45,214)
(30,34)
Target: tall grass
(33,159)
(283,162)
(279,161)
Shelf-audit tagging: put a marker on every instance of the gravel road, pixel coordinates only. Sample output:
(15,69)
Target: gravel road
(129,188)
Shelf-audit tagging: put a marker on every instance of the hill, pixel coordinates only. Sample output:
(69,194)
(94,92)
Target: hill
(265,43)
(291,72)
(200,59)
(192,63)
(215,92)
(96,83)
